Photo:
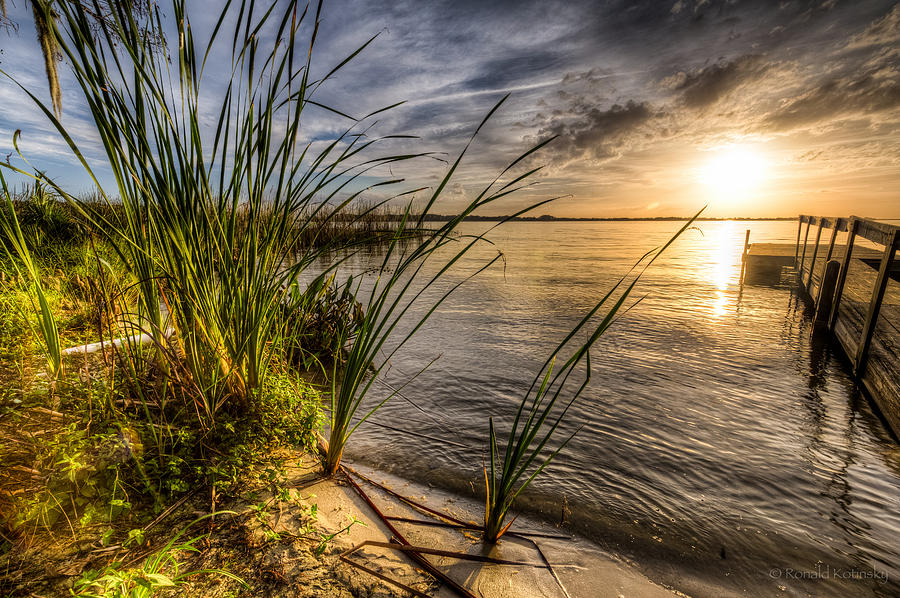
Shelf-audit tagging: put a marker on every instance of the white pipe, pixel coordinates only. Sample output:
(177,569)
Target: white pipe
(140,339)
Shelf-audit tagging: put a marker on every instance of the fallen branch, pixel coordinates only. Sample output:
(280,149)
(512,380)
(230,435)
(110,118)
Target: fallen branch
(441,515)
(384,577)
(463,556)
(421,560)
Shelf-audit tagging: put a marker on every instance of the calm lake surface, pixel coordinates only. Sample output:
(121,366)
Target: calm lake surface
(721,447)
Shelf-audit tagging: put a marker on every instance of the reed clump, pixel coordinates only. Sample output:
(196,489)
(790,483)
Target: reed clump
(192,267)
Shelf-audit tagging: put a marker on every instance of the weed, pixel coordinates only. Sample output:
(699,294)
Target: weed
(38,298)
(159,571)
(327,538)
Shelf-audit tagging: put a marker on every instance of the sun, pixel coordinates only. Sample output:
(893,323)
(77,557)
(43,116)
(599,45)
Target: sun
(734,171)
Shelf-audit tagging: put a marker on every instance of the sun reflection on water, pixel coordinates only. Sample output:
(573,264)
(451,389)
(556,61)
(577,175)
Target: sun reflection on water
(724,268)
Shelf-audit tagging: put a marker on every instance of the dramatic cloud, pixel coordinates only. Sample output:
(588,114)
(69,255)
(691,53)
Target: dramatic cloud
(863,95)
(704,87)
(639,93)
(594,134)
(883,32)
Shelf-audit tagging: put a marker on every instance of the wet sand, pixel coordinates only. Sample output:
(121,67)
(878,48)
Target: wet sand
(583,569)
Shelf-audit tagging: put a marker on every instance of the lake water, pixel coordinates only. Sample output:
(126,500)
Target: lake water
(722,448)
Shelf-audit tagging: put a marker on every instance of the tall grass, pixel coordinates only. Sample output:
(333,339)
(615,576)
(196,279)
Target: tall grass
(18,252)
(402,283)
(213,228)
(527,449)
(219,230)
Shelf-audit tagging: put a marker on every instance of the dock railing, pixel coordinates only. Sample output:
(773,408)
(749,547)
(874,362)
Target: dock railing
(866,327)
(880,233)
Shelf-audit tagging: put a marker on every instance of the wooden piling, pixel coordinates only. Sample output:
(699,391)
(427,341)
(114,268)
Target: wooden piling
(826,292)
(744,256)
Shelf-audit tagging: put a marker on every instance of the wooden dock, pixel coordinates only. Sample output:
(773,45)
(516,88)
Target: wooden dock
(855,288)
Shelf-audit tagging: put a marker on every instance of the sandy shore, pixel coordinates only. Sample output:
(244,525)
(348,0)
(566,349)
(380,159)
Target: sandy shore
(579,568)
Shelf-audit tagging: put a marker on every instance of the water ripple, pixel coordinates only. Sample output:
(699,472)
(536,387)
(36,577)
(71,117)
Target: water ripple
(716,434)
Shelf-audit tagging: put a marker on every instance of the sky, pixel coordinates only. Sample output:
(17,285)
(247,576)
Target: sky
(658,107)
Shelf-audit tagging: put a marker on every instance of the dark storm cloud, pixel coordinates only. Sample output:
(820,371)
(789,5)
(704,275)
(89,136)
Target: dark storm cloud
(704,87)
(596,134)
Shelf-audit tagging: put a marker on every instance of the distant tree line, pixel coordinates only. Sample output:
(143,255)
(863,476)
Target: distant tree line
(549,218)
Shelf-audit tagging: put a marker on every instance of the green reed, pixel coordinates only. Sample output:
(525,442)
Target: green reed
(220,231)
(527,452)
(15,244)
(400,284)
(215,228)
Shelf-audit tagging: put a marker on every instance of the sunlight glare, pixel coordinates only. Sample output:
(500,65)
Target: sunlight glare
(734,171)
(723,268)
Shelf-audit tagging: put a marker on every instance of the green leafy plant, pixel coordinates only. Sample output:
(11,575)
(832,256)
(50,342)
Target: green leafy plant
(327,538)
(161,570)
(316,318)
(261,513)
(135,536)
(537,419)
(79,477)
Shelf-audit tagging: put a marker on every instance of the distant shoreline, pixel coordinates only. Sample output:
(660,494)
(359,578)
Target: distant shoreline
(546,218)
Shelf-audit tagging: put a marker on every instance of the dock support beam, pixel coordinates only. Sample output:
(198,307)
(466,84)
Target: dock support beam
(842,277)
(803,255)
(826,292)
(865,340)
(812,262)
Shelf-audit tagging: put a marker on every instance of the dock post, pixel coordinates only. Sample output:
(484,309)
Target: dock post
(803,255)
(744,256)
(834,234)
(812,261)
(826,292)
(842,277)
(865,340)
(797,248)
